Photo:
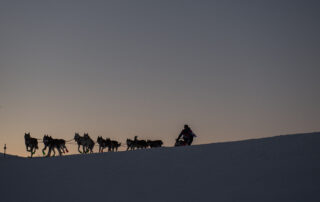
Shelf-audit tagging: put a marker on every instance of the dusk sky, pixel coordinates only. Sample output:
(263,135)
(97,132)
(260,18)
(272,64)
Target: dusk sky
(232,70)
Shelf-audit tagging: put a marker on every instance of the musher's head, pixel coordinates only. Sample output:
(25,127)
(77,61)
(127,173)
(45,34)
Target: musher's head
(186,126)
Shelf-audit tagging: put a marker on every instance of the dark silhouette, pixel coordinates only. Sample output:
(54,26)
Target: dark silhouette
(140,144)
(4,150)
(102,143)
(52,144)
(154,143)
(47,141)
(31,144)
(130,144)
(86,142)
(187,136)
(136,144)
(180,143)
(112,144)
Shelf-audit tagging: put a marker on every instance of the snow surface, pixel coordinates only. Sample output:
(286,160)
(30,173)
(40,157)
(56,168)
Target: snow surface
(282,168)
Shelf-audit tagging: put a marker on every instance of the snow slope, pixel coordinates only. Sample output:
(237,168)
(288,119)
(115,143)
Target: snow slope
(8,156)
(282,168)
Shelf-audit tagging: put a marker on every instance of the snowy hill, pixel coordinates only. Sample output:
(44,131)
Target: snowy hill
(8,156)
(282,168)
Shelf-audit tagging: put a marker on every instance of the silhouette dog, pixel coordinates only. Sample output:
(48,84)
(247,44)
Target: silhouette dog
(112,144)
(31,143)
(154,143)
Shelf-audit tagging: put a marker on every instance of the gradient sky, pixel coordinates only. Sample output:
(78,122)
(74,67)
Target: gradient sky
(230,69)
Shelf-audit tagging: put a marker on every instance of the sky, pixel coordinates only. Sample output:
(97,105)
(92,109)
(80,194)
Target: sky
(232,70)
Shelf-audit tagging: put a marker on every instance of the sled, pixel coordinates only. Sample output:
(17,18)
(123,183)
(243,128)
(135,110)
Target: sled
(180,143)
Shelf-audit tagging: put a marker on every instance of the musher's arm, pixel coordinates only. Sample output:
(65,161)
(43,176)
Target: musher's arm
(181,133)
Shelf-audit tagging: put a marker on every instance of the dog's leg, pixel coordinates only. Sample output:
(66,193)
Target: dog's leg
(54,151)
(31,150)
(60,153)
(49,152)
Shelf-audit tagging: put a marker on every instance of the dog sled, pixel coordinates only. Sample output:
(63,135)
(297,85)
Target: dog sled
(180,142)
